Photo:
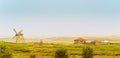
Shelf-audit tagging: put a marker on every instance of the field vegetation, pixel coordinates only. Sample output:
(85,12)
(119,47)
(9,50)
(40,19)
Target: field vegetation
(48,50)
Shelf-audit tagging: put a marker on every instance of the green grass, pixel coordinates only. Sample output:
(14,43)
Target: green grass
(47,50)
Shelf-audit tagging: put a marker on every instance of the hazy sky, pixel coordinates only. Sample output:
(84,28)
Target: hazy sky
(60,17)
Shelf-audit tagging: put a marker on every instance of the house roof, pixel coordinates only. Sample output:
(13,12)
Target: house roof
(80,39)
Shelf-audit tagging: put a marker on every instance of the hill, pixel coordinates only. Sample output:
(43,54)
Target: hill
(67,39)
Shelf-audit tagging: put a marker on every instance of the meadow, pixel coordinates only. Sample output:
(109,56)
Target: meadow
(47,50)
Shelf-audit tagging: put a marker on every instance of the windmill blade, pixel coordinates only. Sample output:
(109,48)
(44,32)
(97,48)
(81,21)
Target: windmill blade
(14,30)
(14,37)
(20,31)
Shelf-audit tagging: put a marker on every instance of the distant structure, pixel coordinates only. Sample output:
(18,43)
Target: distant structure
(79,41)
(94,42)
(39,43)
(18,36)
(84,41)
(106,42)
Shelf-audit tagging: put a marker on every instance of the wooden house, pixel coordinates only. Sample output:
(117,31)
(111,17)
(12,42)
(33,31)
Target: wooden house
(79,40)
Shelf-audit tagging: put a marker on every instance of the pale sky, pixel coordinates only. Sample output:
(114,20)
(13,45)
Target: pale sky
(60,17)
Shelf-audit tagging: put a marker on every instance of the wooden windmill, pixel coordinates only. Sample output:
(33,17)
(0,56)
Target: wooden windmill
(18,36)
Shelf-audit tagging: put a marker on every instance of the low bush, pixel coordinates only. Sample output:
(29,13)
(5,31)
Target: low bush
(32,56)
(61,53)
(4,50)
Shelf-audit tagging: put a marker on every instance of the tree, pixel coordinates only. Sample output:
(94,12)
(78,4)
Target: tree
(87,52)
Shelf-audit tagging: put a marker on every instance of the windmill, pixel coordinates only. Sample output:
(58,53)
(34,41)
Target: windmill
(18,36)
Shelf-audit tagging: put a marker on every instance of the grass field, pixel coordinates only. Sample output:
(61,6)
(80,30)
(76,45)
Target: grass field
(47,50)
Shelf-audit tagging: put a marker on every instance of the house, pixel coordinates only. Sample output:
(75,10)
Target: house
(94,42)
(79,40)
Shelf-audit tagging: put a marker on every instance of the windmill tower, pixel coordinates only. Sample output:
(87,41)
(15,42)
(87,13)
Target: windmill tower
(18,36)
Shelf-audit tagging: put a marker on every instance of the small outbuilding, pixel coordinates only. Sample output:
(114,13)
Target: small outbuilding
(106,42)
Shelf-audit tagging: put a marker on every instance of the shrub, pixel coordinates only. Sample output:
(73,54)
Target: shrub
(61,53)
(32,56)
(4,50)
(87,52)
(22,49)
